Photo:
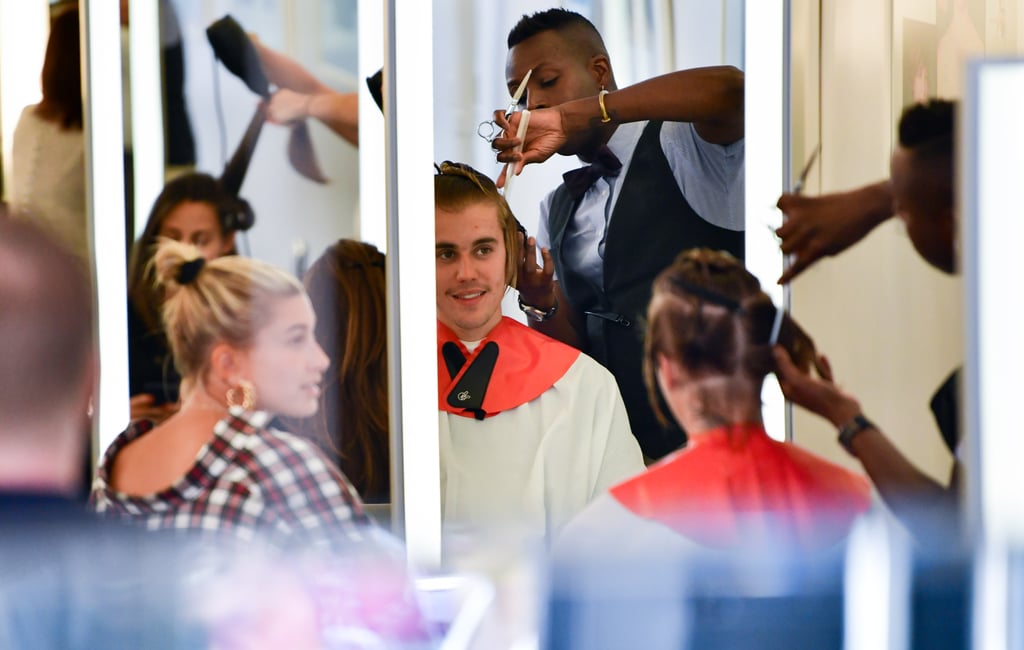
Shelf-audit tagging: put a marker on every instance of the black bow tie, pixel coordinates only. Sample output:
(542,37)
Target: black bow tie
(578,181)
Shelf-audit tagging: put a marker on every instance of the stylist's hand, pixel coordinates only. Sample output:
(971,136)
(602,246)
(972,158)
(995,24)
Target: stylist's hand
(545,135)
(816,394)
(820,226)
(535,282)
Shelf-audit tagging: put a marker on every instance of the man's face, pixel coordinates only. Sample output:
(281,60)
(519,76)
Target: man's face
(924,208)
(560,74)
(470,264)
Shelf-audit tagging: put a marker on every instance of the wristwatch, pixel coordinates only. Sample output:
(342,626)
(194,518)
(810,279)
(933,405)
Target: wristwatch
(536,313)
(851,429)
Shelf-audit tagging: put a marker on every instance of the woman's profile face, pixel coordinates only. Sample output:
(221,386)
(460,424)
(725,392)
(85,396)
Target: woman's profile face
(285,363)
(197,223)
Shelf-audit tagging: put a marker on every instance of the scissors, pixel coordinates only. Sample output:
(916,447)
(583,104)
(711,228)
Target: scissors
(799,185)
(488,129)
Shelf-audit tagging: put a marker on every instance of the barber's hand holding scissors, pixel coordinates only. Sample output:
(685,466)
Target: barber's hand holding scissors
(545,137)
(814,226)
(817,227)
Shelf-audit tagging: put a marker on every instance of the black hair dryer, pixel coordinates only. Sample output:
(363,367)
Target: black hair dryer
(231,45)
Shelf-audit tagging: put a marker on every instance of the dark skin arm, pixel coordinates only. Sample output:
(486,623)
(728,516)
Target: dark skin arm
(711,98)
(537,287)
(922,504)
(825,225)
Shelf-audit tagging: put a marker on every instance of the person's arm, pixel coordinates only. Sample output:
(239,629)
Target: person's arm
(538,288)
(285,72)
(300,95)
(917,500)
(819,226)
(338,111)
(710,98)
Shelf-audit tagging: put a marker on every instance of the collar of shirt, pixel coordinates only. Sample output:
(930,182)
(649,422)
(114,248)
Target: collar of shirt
(232,434)
(584,240)
(623,144)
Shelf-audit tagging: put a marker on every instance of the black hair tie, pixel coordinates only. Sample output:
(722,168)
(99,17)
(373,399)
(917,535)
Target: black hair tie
(190,270)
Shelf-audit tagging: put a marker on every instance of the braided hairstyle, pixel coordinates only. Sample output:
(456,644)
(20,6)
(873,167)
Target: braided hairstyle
(709,314)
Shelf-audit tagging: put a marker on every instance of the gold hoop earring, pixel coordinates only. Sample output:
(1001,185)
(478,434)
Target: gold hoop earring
(242,395)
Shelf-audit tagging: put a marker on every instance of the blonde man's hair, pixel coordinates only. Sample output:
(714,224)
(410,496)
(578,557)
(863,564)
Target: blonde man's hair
(458,186)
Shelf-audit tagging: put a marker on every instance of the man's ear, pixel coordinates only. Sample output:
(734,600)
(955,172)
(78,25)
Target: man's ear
(601,69)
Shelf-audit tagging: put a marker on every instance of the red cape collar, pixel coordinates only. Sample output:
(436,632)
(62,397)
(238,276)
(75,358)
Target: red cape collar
(513,365)
(734,485)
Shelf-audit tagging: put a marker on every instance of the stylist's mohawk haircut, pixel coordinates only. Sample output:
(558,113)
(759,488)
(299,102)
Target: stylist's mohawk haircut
(551,19)
(928,126)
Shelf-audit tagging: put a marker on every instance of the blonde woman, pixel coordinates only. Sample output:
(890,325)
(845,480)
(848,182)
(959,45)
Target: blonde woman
(241,333)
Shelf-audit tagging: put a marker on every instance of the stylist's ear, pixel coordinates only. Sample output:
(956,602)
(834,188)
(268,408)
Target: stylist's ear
(601,69)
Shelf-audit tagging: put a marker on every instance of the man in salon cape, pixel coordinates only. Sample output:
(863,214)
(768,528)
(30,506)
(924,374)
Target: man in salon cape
(530,429)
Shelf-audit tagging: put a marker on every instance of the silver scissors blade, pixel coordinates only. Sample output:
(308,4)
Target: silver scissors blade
(807,170)
(518,94)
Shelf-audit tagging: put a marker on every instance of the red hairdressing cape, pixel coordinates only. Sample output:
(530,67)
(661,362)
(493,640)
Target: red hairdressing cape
(734,485)
(510,367)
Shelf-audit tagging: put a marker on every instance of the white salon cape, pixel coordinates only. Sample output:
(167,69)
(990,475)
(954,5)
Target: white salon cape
(537,465)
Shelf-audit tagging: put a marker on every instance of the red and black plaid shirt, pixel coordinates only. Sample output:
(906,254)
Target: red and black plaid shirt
(248,479)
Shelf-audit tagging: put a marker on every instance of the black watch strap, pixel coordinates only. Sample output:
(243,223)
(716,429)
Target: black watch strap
(536,313)
(851,429)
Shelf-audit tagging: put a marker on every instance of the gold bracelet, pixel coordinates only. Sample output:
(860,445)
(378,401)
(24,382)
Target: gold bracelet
(604,111)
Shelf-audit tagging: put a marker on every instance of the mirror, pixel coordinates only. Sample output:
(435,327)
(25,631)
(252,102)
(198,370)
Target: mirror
(289,186)
(643,40)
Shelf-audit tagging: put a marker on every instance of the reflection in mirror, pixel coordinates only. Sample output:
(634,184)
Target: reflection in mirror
(261,129)
(47,161)
(42,124)
(629,209)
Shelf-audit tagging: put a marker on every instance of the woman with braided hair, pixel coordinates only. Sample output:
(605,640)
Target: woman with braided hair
(709,347)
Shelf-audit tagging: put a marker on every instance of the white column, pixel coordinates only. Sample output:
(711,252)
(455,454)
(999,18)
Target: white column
(408,108)
(766,156)
(104,167)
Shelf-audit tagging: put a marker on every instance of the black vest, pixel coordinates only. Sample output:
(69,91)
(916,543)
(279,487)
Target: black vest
(651,223)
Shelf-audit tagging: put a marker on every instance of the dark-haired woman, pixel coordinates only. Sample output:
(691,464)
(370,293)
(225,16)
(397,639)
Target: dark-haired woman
(194,209)
(347,288)
(48,146)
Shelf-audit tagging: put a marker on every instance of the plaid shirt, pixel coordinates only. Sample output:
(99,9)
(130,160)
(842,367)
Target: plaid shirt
(247,479)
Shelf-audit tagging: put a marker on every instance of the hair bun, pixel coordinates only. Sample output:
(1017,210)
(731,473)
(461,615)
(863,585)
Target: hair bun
(189,271)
